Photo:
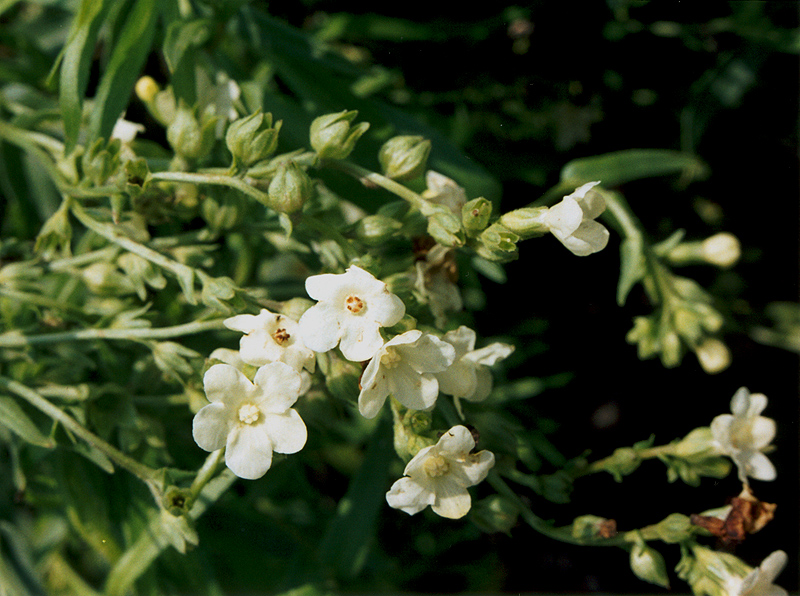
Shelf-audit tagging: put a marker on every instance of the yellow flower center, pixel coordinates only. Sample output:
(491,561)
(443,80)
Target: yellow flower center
(354,304)
(436,466)
(390,358)
(249,413)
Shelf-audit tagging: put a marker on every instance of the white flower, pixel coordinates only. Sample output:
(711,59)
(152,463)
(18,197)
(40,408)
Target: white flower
(745,434)
(440,474)
(444,191)
(759,582)
(251,420)
(722,250)
(713,355)
(234,358)
(352,308)
(271,337)
(125,130)
(469,376)
(402,367)
(572,221)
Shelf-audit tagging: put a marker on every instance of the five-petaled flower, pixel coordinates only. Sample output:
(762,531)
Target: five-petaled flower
(403,368)
(572,221)
(745,434)
(469,376)
(271,337)
(352,308)
(440,474)
(250,419)
(760,581)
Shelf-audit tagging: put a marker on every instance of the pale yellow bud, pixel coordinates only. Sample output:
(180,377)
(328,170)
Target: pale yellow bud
(713,355)
(722,250)
(146,89)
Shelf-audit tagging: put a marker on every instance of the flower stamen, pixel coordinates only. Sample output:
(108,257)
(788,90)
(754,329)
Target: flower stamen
(249,413)
(436,466)
(354,304)
(281,336)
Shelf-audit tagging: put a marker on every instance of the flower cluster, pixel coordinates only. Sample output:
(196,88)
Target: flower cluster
(253,418)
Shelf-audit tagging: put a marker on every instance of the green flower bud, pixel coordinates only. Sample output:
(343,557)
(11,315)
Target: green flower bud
(495,514)
(588,527)
(252,139)
(647,564)
(527,222)
(445,228)
(643,334)
(475,215)
(290,188)
(332,137)
(137,173)
(404,157)
(374,230)
(55,236)
(674,528)
(622,462)
(497,243)
(190,137)
(671,349)
(223,212)
(698,444)
(101,161)
(177,501)
(687,323)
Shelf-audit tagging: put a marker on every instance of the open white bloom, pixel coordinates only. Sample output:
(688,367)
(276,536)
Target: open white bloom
(440,474)
(250,419)
(759,582)
(234,358)
(403,368)
(271,337)
(572,221)
(743,435)
(444,191)
(469,376)
(125,130)
(352,308)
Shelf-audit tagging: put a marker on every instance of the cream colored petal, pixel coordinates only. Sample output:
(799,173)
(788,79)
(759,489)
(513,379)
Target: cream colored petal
(409,496)
(459,380)
(414,390)
(320,327)
(589,238)
(210,426)
(474,468)
(452,501)
(243,323)
(361,338)
(373,395)
(758,466)
(564,218)
(277,387)
(429,355)
(455,442)
(385,308)
(762,431)
(491,354)
(223,382)
(287,431)
(248,453)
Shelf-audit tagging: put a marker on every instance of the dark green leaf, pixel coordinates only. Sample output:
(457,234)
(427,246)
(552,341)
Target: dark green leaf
(620,167)
(17,421)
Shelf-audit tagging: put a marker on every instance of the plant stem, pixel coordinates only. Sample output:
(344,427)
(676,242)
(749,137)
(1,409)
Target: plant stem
(368,176)
(214,179)
(145,473)
(206,472)
(15,340)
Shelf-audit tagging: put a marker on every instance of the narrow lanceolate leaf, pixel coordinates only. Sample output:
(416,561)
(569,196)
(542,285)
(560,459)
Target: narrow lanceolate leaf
(129,54)
(13,417)
(632,266)
(632,164)
(75,63)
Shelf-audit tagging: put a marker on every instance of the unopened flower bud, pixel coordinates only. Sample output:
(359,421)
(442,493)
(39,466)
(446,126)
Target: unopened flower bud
(445,228)
(527,222)
(497,243)
(722,250)
(495,514)
(146,89)
(332,136)
(101,161)
(290,188)
(713,355)
(699,443)
(475,215)
(252,139)
(648,564)
(374,230)
(671,349)
(643,334)
(190,137)
(404,157)
(688,324)
(588,527)
(674,528)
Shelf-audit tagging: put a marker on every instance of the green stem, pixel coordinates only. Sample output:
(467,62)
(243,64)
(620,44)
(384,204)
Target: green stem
(15,340)
(368,177)
(145,473)
(206,472)
(38,300)
(214,179)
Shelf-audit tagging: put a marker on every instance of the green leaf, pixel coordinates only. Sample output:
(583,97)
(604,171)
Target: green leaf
(75,63)
(632,266)
(17,421)
(180,45)
(129,54)
(620,167)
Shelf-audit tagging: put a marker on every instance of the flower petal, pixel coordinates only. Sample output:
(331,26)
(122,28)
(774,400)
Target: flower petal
(409,496)
(249,451)
(386,308)
(373,396)
(452,501)
(361,339)
(210,426)
(429,355)
(225,383)
(564,218)
(320,327)
(758,466)
(491,354)
(474,468)
(459,380)
(462,339)
(277,387)
(589,238)
(456,441)
(414,390)
(243,323)
(287,431)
